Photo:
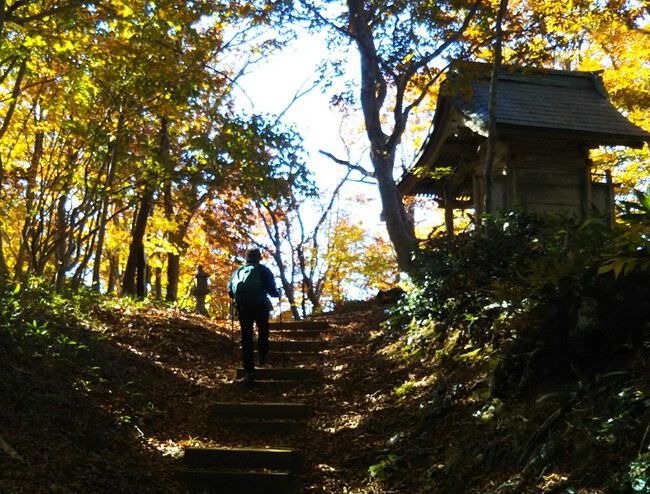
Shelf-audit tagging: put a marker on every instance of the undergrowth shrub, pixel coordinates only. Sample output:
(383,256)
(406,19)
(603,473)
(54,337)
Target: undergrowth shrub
(34,313)
(544,290)
(470,281)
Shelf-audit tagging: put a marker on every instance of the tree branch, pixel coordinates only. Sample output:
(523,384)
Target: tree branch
(348,165)
(401,113)
(21,21)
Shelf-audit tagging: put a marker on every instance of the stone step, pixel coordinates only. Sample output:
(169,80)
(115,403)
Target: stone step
(288,359)
(284,374)
(301,325)
(297,345)
(236,482)
(305,334)
(259,411)
(240,458)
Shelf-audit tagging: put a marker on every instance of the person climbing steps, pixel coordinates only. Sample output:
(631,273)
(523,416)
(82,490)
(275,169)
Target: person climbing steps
(250,286)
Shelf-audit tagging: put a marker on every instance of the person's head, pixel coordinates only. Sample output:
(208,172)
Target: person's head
(253,255)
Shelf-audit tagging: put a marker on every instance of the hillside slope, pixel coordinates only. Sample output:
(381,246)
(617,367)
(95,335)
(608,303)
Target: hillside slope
(109,407)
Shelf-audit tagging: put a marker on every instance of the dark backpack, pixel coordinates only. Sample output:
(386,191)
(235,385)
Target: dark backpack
(247,285)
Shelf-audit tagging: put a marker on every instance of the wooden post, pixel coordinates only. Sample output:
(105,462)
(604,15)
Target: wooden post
(611,207)
(587,191)
(449,211)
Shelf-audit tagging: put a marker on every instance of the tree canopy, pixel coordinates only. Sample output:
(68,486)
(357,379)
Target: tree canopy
(405,47)
(125,160)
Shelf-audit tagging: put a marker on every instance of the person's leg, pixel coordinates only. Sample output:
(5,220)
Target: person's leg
(246,321)
(262,319)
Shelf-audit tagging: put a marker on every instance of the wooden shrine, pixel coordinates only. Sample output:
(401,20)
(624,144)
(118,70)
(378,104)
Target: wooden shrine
(547,122)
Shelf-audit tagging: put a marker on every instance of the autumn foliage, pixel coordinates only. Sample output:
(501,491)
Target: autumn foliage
(512,364)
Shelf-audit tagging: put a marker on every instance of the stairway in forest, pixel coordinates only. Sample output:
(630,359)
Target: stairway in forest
(297,349)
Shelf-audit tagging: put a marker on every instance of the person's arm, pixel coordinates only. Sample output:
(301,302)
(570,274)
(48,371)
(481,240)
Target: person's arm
(230,292)
(268,282)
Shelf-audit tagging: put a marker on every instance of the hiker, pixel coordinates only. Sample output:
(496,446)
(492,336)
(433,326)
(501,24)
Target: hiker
(250,286)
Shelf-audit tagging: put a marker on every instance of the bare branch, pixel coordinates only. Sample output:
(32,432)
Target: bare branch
(348,165)
(329,207)
(402,113)
(303,90)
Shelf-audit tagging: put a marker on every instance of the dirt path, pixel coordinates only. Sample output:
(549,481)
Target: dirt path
(115,411)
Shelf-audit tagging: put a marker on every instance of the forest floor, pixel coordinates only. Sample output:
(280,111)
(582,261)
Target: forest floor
(109,407)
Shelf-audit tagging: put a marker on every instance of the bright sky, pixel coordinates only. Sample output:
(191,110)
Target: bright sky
(270,88)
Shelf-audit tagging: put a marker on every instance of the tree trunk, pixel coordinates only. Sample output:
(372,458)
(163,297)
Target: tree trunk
(173,274)
(30,200)
(272,227)
(158,285)
(142,272)
(287,286)
(134,264)
(312,283)
(61,247)
(135,273)
(113,272)
(110,177)
(382,148)
(399,225)
(310,291)
(492,126)
(85,254)
(175,238)
(4,269)
(13,101)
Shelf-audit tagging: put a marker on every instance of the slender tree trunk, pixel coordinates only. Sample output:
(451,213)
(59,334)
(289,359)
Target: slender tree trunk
(310,290)
(492,126)
(158,285)
(287,286)
(85,255)
(142,272)
(110,178)
(30,203)
(308,272)
(4,269)
(174,237)
(135,266)
(312,283)
(11,108)
(177,239)
(135,273)
(113,272)
(272,227)
(173,274)
(61,247)
(13,101)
